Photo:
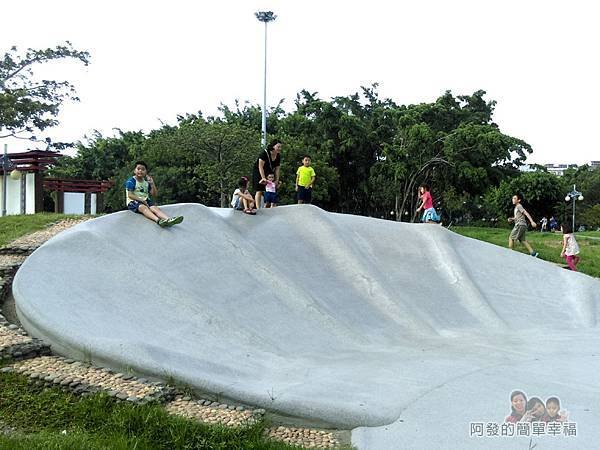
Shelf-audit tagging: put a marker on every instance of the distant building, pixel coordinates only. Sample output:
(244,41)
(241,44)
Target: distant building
(558,169)
(527,168)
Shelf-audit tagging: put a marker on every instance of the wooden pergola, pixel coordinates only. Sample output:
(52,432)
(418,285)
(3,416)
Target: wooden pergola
(37,162)
(86,187)
(33,162)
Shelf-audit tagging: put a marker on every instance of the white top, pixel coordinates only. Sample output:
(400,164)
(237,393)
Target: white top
(236,196)
(572,246)
(271,187)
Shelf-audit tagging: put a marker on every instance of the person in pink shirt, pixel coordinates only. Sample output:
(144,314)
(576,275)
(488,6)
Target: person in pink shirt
(271,199)
(429,213)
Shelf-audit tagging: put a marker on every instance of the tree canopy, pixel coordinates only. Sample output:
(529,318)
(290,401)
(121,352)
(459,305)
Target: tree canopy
(27,104)
(369,153)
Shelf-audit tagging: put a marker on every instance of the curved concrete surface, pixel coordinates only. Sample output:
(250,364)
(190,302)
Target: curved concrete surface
(408,332)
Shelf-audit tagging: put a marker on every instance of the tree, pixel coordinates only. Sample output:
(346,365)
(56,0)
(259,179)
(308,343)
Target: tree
(370,154)
(28,104)
(201,160)
(451,144)
(591,217)
(411,158)
(542,192)
(587,181)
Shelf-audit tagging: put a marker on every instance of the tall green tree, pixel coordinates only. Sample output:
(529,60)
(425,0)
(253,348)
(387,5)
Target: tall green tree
(542,194)
(28,104)
(451,144)
(587,181)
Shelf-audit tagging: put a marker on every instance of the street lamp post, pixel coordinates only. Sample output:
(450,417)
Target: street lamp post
(574,195)
(266,17)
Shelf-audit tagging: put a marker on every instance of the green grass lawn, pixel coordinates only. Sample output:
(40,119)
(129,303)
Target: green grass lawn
(590,233)
(549,245)
(49,418)
(12,227)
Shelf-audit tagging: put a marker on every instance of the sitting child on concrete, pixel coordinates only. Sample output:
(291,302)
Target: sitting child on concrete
(242,200)
(139,190)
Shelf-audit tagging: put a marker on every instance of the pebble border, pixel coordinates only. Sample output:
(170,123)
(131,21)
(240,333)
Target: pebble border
(211,412)
(80,378)
(15,344)
(304,437)
(35,360)
(8,267)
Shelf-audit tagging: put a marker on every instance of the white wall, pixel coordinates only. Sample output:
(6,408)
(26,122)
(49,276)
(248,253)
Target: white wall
(13,197)
(13,201)
(30,193)
(74,203)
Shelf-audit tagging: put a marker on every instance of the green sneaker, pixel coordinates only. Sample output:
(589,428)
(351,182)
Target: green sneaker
(174,220)
(163,223)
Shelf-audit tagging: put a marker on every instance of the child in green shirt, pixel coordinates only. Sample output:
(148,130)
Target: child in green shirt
(305,180)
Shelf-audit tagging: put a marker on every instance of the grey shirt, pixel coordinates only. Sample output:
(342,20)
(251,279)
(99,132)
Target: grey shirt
(520,215)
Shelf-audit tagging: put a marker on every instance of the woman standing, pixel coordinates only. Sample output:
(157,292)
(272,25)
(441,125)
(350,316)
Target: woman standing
(267,163)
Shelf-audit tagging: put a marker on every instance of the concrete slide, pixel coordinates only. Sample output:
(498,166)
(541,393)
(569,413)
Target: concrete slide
(405,333)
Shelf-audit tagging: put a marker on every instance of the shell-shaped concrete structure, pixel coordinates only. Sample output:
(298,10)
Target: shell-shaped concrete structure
(405,333)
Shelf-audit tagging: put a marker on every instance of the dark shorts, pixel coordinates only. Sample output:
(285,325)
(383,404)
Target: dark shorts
(271,197)
(304,194)
(134,205)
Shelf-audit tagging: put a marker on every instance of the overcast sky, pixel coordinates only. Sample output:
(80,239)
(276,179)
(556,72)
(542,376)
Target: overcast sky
(152,60)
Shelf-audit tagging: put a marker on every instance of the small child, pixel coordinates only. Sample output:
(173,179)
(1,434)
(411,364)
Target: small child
(429,213)
(552,411)
(305,180)
(138,191)
(544,224)
(520,228)
(536,411)
(570,250)
(271,199)
(241,199)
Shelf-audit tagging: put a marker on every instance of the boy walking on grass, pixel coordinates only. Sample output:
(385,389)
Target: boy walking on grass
(305,180)
(138,192)
(520,228)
